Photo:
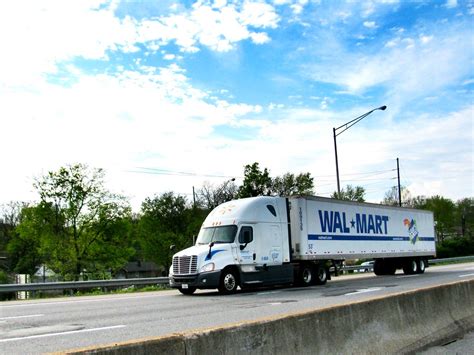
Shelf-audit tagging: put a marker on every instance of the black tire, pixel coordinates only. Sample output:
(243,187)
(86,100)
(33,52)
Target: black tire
(379,267)
(229,282)
(321,275)
(306,275)
(421,266)
(410,267)
(390,268)
(187,291)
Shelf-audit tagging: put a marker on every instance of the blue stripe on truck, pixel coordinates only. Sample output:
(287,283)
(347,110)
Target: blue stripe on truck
(365,238)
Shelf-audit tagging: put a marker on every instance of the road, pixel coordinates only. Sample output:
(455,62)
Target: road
(48,325)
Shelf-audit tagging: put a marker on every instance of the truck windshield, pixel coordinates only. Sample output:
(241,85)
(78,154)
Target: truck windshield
(223,234)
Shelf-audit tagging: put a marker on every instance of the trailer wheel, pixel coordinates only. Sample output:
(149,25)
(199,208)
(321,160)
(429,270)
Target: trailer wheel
(421,266)
(229,282)
(379,267)
(187,291)
(306,275)
(321,275)
(390,268)
(410,267)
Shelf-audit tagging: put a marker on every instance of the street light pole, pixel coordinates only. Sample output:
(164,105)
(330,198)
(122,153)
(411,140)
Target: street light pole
(345,127)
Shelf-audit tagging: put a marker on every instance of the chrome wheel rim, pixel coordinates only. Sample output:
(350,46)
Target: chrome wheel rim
(229,282)
(306,276)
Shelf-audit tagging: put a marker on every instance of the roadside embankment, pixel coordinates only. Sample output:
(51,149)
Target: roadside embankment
(401,323)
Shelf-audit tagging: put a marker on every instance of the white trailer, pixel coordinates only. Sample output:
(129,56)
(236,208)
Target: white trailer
(264,241)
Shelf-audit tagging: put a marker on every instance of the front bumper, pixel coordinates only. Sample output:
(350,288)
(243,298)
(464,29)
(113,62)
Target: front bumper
(205,280)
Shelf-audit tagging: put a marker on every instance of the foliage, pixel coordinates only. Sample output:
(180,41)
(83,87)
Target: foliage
(351,193)
(464,218)
(210,197)
(78,226)
(256,182)
(443,210)
(24,246)
(454,247)
(391,197)
(290,185)
(165,223)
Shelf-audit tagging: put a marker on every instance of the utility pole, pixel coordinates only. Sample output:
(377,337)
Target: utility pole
(399,187)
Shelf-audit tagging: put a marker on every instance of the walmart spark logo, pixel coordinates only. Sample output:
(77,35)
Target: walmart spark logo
(412,230)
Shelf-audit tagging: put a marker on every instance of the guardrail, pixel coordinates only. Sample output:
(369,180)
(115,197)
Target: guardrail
(68,285)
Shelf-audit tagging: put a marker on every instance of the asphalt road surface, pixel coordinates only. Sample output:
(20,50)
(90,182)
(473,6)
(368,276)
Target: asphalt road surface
(47,325)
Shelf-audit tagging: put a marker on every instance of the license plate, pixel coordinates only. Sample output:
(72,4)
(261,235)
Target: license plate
(184,286)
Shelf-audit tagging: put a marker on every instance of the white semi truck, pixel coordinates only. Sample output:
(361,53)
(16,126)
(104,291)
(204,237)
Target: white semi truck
(263,241)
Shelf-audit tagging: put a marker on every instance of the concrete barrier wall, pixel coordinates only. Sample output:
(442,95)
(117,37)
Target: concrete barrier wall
(401,323)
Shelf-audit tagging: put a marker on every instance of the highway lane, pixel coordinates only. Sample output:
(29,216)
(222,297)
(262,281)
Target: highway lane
(39,326)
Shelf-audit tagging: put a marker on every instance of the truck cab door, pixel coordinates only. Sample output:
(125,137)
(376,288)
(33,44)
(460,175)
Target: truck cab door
(246,251)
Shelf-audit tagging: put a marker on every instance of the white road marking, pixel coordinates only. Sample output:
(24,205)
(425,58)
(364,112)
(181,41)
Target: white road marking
(469,268)
(58,303)
(366,290)
(466,275)
(406,276)
(61,333)
(18,317)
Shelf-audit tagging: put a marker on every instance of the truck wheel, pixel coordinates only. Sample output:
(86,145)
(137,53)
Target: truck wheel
(306,275)
(321,275)
(390,268)
(421,266)
(410,267)
(379,267)
(187,291)
(228,282)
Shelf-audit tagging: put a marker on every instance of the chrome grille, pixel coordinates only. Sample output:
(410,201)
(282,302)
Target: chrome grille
(184,265)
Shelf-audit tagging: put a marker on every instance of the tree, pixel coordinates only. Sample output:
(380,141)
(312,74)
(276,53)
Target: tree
(391,196)
(9,219)
(256,182)
(84,226)
(290,185)
(464,217)
(210,196)
(351,193)
(163,224)
(24,246)
(443,210)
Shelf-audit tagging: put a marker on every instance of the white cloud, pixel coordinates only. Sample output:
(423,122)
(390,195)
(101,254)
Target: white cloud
(451,4)
(370,24)
(408,68)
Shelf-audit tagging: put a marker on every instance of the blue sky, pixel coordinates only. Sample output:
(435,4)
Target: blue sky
(206,87)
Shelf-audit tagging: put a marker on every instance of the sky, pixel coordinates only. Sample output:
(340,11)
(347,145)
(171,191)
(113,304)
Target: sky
(168,95)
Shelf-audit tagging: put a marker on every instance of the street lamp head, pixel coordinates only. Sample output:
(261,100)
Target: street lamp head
(382,108)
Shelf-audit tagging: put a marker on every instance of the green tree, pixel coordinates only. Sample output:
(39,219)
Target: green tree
(85,227)
(256,182)
(24,246)
(464,218)
(290,185)
(163,224)
(444,213)
(351,193)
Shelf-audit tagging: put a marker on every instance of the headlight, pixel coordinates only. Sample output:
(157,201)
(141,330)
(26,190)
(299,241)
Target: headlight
(207,267)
